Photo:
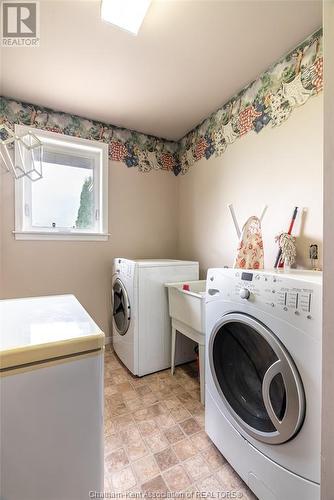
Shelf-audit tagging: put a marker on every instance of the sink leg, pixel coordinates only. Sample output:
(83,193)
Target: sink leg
(201,352)
(173,350)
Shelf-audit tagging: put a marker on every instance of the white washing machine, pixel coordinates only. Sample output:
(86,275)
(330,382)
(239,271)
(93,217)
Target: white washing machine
(141,323)
(263,378)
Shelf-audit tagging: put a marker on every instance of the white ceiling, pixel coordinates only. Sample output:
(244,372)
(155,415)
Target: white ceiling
(189,57)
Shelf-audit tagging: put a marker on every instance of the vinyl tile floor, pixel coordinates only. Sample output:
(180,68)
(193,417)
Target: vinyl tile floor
(155,443)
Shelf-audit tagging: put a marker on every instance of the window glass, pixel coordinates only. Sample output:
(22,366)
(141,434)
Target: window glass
(70,200)
(63,198)
(121,308)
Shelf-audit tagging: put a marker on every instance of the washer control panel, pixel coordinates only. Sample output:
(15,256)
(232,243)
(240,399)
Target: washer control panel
(280,293)
(274,291)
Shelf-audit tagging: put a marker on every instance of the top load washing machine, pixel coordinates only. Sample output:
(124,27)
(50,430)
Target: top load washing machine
(141,323)
(263,378)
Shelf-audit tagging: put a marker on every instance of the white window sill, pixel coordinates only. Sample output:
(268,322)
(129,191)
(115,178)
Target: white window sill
(60,236)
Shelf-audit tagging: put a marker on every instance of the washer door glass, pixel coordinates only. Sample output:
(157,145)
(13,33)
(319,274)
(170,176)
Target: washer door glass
(257,379)
(121,307)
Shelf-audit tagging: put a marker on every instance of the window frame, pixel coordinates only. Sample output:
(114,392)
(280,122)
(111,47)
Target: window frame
(23,223)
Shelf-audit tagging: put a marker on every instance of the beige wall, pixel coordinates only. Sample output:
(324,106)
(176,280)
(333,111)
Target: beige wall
(158,215)
(142,223)
(1,243)
(327,452)
(280,167)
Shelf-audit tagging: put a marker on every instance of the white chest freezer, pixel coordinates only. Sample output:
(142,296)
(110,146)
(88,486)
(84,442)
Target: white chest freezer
(51,406)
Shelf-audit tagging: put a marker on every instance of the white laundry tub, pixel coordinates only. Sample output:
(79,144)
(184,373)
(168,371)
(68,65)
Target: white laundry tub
(188,307)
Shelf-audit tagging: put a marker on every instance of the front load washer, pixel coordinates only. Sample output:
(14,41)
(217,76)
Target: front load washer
(141,322)
(263,378)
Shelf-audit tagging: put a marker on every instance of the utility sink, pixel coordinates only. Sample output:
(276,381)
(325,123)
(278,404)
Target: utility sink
(188,306)
(186,309)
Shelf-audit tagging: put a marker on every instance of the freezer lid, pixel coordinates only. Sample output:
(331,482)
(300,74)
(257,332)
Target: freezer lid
(41,328)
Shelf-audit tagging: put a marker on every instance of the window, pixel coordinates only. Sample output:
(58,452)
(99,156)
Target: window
(71,199)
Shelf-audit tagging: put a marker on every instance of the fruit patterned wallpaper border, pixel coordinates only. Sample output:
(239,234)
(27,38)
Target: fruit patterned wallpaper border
(133,148)
(269,100)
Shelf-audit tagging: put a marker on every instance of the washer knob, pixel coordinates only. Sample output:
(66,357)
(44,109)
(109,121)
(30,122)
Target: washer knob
(244,293)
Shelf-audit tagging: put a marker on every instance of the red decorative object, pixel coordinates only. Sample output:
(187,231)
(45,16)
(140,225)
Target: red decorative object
(200,148)
(246,118)
(117,151)
(168,161)
(318,80)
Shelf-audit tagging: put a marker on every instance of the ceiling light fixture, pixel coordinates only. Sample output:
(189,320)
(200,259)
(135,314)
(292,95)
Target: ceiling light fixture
(126,14)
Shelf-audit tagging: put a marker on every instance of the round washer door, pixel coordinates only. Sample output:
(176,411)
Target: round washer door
(256,378)
(121,307)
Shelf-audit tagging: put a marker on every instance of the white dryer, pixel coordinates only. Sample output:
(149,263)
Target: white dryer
(263,378)
(141,323)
